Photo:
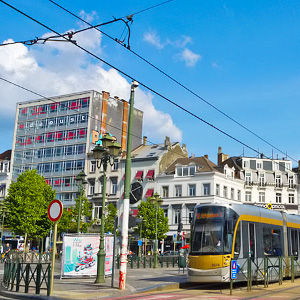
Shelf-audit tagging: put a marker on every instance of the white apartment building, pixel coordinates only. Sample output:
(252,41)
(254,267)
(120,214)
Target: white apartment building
(5,174)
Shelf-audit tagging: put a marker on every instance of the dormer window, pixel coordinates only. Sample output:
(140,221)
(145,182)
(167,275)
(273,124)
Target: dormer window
(185,171)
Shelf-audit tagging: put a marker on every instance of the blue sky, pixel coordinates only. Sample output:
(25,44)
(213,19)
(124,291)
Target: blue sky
(241,56)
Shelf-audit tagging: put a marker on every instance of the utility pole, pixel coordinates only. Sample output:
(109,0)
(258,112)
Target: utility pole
(124,232)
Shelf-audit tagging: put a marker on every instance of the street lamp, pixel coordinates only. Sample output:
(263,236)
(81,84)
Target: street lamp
(157,202)
(80,181)
(104,155)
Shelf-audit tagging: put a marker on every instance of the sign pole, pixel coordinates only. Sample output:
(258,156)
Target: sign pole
(53,257)
(55,210)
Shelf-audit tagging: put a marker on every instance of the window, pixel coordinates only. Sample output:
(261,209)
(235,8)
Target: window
(275,166)
(177,216)
(178,191)
(246,163)
(68,165)
(261,197)
(114,185)
(225,192)
(165,192)
(239,195)
(291,198)
(278,198)
(190,215)
(150,175)
(206,189)
(272,241)
(278,180)
(192,190)
(259,165)
(91,187)
(185,171)
(288,166)
(248,178)
(93,166)
(217,190)
(291,182)
(248,196)
(97,212)
(115,166)
(262,179)
(232,194)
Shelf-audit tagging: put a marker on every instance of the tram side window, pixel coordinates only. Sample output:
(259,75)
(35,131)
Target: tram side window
(237,243)
(294,242)
(272,241)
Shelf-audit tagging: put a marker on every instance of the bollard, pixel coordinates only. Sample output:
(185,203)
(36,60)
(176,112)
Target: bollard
(138,262)
(167,262)
(27,277)
(173,261)
(131,262)
(162,261)
(293,268)
(38,278)
(265,272)
(249,277)
(49,279)
(150,261)
(144,261)
(18,277)
(14,271)
(280,270)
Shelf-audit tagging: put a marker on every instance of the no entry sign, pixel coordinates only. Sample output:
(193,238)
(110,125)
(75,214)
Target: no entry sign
(55,210)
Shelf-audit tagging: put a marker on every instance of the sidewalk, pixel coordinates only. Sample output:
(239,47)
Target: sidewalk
(138,280)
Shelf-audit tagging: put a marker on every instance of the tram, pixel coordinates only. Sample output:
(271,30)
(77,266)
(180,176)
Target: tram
(220,233)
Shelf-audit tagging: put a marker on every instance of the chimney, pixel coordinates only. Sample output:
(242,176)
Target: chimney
(144,140)
(206,156)
(221,156)
(167,142)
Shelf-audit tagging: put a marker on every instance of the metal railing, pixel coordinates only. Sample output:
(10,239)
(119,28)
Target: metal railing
(26,275)
(267,269)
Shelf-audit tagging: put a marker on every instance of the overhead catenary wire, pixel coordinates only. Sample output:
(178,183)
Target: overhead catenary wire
(142,84)
(176,81)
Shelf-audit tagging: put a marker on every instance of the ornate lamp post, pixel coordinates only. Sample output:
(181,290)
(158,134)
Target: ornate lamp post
(104,155)
(157,202)
(80,181)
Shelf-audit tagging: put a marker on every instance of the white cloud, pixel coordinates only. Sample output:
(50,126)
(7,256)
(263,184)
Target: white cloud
(152,38)
(59,68)
(189,57)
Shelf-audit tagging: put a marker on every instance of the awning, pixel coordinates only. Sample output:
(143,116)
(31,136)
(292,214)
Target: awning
(150,174)
(139,175)
(149,193)
(134,212)
(2,186)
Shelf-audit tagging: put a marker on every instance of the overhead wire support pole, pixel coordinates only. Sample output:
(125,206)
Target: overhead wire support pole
(125,218)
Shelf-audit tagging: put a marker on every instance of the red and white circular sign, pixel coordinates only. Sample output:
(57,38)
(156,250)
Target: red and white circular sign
(55,210)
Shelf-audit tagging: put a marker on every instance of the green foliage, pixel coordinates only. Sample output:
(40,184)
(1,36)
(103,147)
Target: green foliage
(147,212)
(69,219)
(110,218)
(27,205)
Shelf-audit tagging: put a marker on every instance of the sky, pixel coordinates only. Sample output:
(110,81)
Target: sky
(241,57)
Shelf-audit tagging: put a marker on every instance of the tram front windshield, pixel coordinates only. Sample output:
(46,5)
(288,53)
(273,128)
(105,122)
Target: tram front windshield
(213,230)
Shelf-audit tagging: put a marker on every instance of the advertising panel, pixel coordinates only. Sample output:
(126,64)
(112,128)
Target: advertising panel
(79,256)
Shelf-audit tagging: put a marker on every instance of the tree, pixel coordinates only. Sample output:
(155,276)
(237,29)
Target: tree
(27,205)
(110,218)
(68,221)
(147,213)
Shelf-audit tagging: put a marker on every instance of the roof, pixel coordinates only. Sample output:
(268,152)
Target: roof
(205,165)
(5,155)
(149,151)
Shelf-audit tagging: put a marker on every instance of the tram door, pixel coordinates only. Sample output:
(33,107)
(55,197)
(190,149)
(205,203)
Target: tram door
(252,245)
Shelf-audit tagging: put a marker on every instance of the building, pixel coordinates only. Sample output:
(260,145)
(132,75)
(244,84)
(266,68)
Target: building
(56,134)
(266,181)
(5,174)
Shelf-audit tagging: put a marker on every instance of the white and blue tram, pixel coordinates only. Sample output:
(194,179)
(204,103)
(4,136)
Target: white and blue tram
(220,233)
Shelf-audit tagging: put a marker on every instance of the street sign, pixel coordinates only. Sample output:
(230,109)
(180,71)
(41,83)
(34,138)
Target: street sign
(140,243)
(55,210)
(234,269)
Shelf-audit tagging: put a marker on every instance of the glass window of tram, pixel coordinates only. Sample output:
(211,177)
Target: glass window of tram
(213,230)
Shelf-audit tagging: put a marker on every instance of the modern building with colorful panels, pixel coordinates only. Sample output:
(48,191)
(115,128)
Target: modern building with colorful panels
(54,135)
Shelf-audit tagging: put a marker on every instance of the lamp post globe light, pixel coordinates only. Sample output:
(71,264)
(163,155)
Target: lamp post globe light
(80,181)
(104,155)
(157,202)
